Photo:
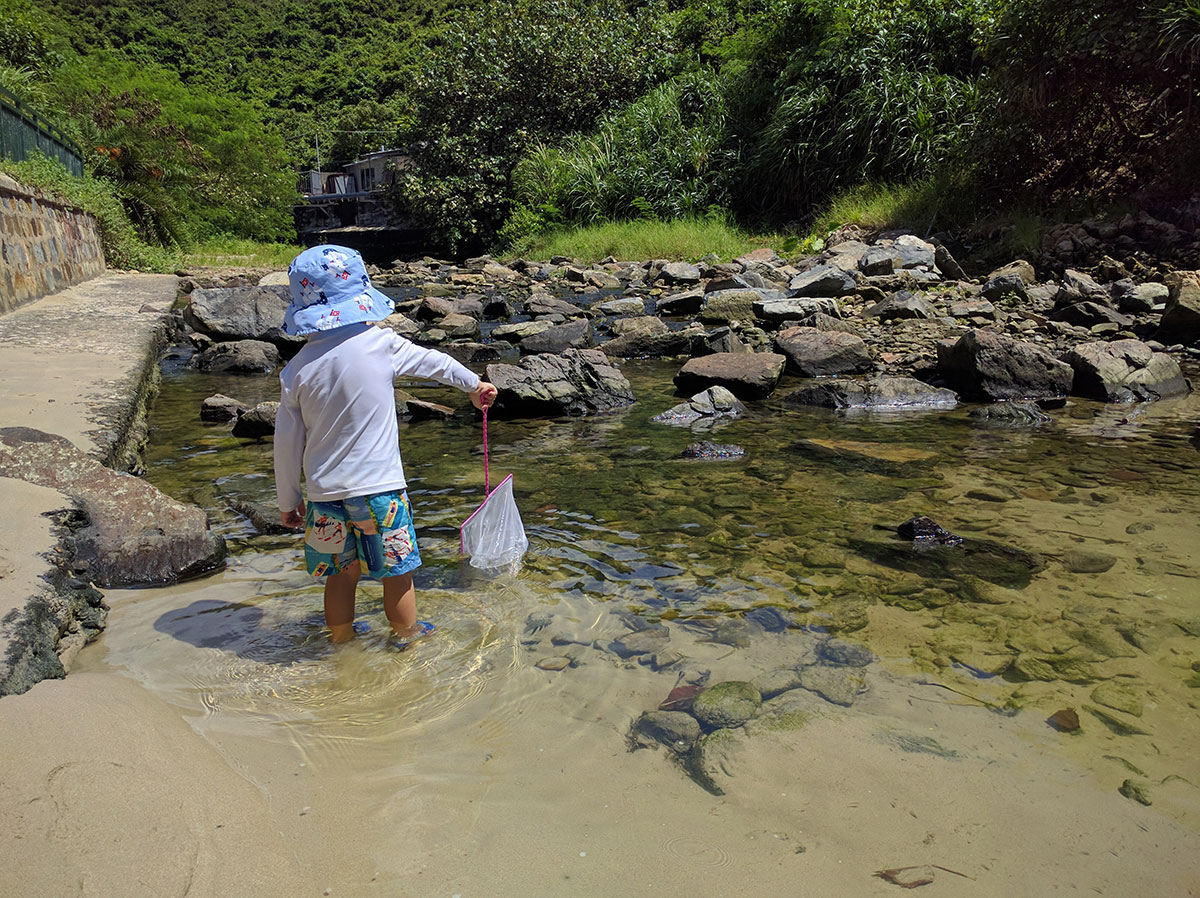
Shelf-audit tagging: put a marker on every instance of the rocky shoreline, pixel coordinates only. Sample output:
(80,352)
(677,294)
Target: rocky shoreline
(892,322)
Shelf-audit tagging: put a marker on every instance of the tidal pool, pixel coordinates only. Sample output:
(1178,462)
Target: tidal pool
(494,758)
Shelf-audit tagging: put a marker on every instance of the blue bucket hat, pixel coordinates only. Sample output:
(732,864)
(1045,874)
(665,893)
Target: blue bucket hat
(330,288)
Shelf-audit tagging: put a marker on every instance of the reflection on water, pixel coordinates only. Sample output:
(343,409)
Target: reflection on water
(1076,586)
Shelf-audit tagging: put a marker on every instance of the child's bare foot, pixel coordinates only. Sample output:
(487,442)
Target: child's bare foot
(406,636)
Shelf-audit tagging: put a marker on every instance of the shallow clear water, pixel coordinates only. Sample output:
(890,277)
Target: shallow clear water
(748,563)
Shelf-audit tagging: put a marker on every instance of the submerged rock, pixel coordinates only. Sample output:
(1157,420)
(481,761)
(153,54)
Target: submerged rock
(838,685)
(677,730)
(1017,414)
(134,535)
(706,451)
(955,561)
(728,704)
(927,531)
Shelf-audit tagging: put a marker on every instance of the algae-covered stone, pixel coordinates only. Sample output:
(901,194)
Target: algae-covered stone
(1118,698)
(1136,790)
(839,685)
(824,557)
(844,653)
(677,730)
(775,682)
(1084,561)
(1121,724)
(712,762)
(728,704)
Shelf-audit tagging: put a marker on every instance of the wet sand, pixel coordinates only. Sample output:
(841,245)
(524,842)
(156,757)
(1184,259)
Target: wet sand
(459,768)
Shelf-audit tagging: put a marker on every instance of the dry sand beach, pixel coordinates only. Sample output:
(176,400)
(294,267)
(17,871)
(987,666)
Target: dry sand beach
(211,744)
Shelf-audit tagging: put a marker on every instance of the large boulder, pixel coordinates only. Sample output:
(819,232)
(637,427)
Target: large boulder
(651,342)
(1124,371)
(688,302)
(242,313)
(899,306)
(873,393)
(823,280)
(1181,318)
(776,311)
(542,305)
(575,382)
(575,334)
(817,353)
(1089,313)
(984,365)
(748,375)
(735,305)
(238,357)
(679,273)
(134,535)
(704,410)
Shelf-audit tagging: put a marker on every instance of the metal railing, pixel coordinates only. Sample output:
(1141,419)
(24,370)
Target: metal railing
(23,132)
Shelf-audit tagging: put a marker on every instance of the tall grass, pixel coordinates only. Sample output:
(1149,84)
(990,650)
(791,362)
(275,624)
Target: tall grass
(922,206)
(237,252)
(685,238)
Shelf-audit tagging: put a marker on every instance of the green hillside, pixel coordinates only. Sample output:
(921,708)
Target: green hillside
(526,116)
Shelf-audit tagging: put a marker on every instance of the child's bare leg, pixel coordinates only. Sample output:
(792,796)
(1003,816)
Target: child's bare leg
(400,604)
(339,603)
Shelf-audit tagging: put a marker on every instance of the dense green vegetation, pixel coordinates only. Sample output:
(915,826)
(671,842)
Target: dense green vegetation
(527,117)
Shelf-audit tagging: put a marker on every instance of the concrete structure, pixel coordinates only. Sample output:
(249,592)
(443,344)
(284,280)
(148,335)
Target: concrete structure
(45,245)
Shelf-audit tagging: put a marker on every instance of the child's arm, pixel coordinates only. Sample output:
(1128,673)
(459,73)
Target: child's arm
(410,360)
(289,458)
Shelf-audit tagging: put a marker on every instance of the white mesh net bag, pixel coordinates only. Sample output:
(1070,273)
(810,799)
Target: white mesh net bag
(493,537)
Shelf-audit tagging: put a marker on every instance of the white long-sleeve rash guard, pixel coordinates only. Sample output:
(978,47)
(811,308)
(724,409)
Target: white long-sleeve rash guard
(337,412)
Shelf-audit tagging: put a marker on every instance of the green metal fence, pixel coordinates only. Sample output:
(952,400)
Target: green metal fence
(23,131)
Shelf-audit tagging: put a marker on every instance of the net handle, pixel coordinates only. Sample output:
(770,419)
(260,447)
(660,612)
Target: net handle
(486,475)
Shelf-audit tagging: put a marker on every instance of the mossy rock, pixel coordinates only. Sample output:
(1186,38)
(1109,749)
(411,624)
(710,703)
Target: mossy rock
(1118,698)
(728,704)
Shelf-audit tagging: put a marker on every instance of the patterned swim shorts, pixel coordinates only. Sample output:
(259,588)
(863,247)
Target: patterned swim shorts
(332,543)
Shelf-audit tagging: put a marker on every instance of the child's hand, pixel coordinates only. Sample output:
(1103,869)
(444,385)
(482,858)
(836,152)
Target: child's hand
(293,519)
(483,395)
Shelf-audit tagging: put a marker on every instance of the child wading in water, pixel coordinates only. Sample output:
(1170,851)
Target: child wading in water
(337,423)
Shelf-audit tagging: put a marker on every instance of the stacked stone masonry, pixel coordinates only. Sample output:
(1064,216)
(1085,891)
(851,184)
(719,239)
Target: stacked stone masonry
(45,246)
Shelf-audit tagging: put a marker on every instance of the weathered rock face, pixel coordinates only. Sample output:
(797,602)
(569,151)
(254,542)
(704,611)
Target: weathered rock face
(654,342)
(243,313)
(874,392)
(686,303)
(135,535)
(775,311)
(572,335)
(735,305)
(703,410)
(823,280)
(240,357)
(1124,371)
(899,306)
(751,375)
(817,353)
(576,382)
(1181,318)
(984,365)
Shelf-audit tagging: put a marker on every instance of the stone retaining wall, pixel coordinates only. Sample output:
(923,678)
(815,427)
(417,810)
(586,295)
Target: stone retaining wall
(45,245)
